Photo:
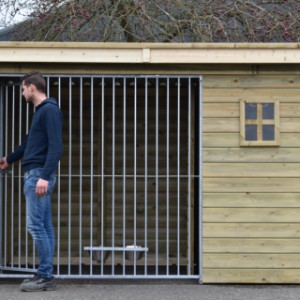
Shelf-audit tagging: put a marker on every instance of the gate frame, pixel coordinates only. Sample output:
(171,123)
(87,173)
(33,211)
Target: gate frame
(200,183)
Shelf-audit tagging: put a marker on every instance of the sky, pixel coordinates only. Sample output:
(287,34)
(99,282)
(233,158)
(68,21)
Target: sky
(18,18)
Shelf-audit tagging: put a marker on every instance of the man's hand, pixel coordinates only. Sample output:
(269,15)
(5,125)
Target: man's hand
(3,163)
(41,187)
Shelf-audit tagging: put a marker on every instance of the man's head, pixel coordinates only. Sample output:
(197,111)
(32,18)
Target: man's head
(33,86)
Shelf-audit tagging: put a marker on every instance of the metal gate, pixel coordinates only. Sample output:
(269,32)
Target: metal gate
(128,198)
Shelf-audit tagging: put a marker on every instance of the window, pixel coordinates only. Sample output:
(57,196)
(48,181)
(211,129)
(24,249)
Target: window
(259,123)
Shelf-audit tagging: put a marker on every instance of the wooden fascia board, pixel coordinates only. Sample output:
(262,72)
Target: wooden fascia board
(156,53)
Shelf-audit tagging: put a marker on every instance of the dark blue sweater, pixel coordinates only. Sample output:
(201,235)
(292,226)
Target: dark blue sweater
(42,147)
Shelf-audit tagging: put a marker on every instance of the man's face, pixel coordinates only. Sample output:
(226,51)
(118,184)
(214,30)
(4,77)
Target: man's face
(27,92)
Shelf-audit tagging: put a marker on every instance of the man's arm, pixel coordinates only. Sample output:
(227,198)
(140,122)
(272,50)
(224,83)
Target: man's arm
(14,156)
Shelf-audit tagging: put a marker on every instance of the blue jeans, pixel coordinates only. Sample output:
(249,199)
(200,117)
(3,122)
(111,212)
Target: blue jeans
(39,220)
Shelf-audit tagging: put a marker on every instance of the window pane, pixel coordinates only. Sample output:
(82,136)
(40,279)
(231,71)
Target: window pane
(251,133)
(268,111)
(268,132)
(251,111)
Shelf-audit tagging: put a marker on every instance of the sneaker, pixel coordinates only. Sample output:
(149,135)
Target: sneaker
(38,283)
(30,279)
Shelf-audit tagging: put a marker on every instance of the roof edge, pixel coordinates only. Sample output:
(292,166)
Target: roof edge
(151,53)
(103,45)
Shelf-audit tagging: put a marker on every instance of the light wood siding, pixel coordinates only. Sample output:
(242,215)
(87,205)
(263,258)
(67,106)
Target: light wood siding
(251,196)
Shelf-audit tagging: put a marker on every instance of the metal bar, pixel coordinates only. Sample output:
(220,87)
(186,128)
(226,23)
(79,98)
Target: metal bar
(58,192)
(70,177)
(48,86)
(26,231)
(168,173)
(135,185)
(102,173)
(33,243)
(12,221)
(92,171)
(146,173)
(156,171)
(84,277)
(113,171)
(113,248)
(20,180)
(178,176)
(105,76)
(80,178)
(5,181)
(129,176)
(189,177)
(124,172)
(200,229)
(1,177)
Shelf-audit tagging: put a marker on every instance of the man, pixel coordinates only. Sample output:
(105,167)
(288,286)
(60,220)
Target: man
(40,153)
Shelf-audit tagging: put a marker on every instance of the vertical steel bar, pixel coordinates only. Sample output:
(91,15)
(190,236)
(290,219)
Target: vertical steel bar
(48,86)
(33,243)
(146,173)
(80,177)
(12,221)
(70,177)
(1,177)
(200,175)
(135,158)
(178,176)
(20,180)
(156,171)
(6,182)
(124,171)
(58,192)
(168,174)
(102,172)
(92,171)
(113,172)
(26,231)
(189,175)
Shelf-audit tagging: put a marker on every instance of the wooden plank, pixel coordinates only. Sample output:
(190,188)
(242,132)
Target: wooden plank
(235,95)
(251,261)
(258,185)
(233,125)
(224,140)
(283,155)
(251,81)
(251,199)
(250,245)
(221,110)
(252,276)
(232,110)
(248,215)
(251,169)
(221,125)
(251,230)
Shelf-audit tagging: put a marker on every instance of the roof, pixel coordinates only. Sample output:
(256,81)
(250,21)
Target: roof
(150,53)
(6,34)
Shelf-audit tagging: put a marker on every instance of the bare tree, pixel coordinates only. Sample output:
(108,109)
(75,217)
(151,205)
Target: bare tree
(161,20)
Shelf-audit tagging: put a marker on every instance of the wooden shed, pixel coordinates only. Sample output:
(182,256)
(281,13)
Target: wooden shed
(234,217)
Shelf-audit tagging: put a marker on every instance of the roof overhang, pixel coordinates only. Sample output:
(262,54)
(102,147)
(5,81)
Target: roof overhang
(150,53)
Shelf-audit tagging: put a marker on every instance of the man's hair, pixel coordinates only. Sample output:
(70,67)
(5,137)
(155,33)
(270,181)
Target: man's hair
(35,78)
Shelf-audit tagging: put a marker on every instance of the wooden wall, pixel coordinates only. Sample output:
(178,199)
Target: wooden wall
(251,195)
